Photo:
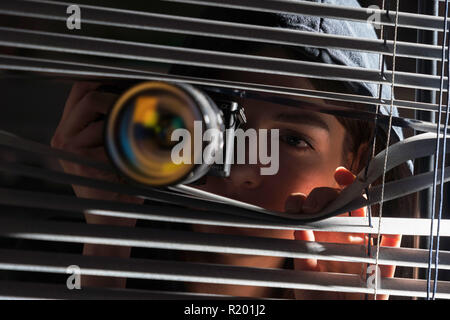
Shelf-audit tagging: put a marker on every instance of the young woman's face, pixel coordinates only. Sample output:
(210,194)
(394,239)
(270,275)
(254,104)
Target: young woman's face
(310,149)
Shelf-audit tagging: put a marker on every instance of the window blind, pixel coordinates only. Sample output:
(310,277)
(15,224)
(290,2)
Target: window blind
(130,44)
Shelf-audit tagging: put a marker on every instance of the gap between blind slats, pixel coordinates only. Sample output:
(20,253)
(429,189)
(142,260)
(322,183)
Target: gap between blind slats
(405,19)
(210,273)
(58,67)
(203,27)
(210,59)
(206,242)
(166,213)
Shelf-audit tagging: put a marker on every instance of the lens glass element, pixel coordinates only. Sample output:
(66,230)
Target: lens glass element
(140,128)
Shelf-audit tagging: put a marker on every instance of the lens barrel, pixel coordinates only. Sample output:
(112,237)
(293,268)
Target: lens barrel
(140,127)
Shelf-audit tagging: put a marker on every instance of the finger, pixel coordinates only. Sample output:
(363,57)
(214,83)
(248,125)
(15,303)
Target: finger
(389,240)
(96,153)
(91,136)
(305,264)
(87,110)
(340,237)
(361,212)
(294,203)
(319,198)
(344,177)
(388,271)
(343,237)
(78,91)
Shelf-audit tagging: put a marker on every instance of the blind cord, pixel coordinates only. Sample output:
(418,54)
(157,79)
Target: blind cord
(387,148)
(374,141)
(436,161)
(444,147)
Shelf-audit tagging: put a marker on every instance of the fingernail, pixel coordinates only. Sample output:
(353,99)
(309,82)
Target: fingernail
(343,176)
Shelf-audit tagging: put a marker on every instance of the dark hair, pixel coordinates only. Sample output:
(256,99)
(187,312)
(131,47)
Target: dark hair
(361,133)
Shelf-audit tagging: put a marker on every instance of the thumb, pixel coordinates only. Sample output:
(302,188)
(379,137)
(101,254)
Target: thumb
(344,177)
(294,203)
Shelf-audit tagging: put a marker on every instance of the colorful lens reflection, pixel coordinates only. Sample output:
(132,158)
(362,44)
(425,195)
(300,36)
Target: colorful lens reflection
(153,126)
(142,123)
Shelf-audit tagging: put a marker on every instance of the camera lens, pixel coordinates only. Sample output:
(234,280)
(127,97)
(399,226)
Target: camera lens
(139,132)
(153,123)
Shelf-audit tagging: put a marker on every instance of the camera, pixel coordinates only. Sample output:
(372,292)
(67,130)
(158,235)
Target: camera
(144,128)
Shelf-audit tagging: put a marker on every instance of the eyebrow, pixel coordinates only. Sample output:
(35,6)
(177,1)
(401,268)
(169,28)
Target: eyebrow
(306,118)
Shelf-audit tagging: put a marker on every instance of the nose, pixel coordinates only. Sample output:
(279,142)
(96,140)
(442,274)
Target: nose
(244,176)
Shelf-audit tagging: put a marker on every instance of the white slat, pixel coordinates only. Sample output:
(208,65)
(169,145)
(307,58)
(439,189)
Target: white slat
(210,273)
(15,290)
(404,226)
(405,19)
(107,48)
(217,243)
(112,17)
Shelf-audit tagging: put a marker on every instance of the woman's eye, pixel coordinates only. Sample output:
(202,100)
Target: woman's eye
(295,141)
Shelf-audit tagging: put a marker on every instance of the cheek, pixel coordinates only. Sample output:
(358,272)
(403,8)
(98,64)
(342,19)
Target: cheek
(295,175)
(303,176)
(213,184)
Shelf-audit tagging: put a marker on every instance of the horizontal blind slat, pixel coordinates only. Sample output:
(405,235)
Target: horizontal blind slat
(405,226)
(410,20)
(16,290)
(207,242)
(237,31)
(349,199)
(209,59)
(393,190)
(66,68)
(210,273)
(13,141)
